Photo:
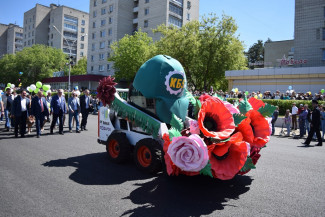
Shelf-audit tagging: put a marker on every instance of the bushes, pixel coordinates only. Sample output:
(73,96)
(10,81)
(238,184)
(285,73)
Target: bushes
(283,104)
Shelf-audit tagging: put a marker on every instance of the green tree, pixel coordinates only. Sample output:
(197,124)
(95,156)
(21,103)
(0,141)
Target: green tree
(36,62)
(206,49)
(256,54)
(129,53)
(80,68)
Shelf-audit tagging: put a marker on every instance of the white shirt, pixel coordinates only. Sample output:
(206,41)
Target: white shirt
(87,101)
(23,105)
(294,110)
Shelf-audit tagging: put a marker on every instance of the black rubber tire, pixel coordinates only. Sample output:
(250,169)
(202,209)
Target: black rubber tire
(155,152)
(123,149)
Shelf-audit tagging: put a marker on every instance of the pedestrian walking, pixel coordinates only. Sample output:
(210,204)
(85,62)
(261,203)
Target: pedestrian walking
(287,121)
(8,100)
(39,110)
(307,120)
(294,112)
(322,117)
(302,120)
(74,108)
(314,125)
(20,112)
(58,108)
(85,105)
(274,118)
(2,111)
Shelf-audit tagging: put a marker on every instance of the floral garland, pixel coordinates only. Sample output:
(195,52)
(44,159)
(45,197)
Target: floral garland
(225,140)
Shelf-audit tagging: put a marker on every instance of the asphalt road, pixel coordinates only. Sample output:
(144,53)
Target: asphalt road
(70,175)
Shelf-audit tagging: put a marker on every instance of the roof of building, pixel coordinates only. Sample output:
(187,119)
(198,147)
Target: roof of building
(74,78)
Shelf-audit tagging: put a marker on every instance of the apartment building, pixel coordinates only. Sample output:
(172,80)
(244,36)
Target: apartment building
(57,26)
(110,20)
(11,39)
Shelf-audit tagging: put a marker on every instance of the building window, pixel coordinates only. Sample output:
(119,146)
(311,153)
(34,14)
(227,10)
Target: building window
(94,24)
(147,1)
(109,43)
(25,43)
(146,23)
(101,56)
(323,33)
(108,67)
(81,54)
(104,1)
(33,25)
(32,41)
(179,2)
(102,33)
(92,58)
(32,33)
(102,22)
(93,36)
(102,45)
(95,3)
(82,46)
(101,68)
(146,11)
(108,54)
(82,38)
(110,20)
(188,16)
(29,34)
(175,21)
(30,19)
(189,5)
(323,54)
(109,32)
(83,22)
(70,19)
(25,36)
(103,11)
(26,21)
(29,27)
(69,26)
(176,9)
(82,30)
(91,68)
(318,33)
(52,36)
(93,47)
(95,14)
(111,8)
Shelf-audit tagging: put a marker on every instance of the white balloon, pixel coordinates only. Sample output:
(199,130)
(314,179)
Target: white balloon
(12,86)
(33,87)
(77,92)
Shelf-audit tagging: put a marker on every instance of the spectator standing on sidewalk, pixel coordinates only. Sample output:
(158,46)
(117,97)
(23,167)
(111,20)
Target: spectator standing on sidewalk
(307,119)
(322,117)
(302,120)
(287,121)
(314,125)
(85,105)
(274,118)
(294,112)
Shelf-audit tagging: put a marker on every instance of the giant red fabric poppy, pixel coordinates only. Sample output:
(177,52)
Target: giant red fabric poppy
(255,155)
(255,129)
(220,149)
(204,97)
(215,120)
(227,166)
(256,103)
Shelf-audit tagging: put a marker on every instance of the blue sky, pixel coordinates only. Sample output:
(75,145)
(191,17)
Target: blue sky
(256,19)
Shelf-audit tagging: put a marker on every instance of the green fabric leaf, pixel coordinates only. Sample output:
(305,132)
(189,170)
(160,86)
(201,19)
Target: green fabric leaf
(267,110)
(238,118)
(219,96)
(173,133)
(177,123)
(248,165)
(207,170)
(190,97)
(244,106)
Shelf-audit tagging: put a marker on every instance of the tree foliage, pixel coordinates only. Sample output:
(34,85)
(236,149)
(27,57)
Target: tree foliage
(36,62)
(80,68)
(256,53)
(206,49)
(129,53)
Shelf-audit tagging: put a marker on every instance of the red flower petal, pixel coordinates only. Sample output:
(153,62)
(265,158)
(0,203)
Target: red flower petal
(256,103)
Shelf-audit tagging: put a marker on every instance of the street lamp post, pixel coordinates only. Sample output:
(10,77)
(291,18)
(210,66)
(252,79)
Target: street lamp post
(70,55)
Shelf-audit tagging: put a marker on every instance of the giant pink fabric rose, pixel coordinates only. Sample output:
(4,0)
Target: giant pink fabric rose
(189,153)
(194,127)
(231,107)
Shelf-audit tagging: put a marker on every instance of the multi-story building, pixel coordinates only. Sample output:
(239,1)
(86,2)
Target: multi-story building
(110,20)
(11,39)
(57,26)
(309,42)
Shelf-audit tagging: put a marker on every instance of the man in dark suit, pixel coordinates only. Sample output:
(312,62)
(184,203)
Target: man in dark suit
(20,112)
(314,125)
(39,109)
(85,105)
(58,107)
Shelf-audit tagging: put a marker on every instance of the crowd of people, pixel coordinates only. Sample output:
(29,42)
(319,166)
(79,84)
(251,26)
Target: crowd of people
(288,95)
(23,110)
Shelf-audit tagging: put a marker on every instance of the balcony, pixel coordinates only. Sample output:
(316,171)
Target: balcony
(135,20)
(136,9)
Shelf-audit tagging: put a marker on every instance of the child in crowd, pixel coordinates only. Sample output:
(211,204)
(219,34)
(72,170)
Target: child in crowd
(287,121)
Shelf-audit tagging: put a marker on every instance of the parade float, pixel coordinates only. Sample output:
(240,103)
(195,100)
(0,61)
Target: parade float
(154,125)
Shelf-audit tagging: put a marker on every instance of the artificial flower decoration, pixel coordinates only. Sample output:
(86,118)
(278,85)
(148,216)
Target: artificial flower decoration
(256,103)
(221,148)
(106,90)
(215,120)
(194,127)
(204,97)
(227,166)
(188,153)
(231,107)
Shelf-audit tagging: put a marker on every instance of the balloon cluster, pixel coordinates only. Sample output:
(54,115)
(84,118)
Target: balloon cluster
(36,88)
